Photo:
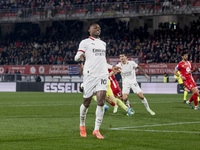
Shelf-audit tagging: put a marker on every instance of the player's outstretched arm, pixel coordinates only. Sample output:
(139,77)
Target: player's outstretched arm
(111,73)
(176,73)
(116,69)
(195,69)
(141,70)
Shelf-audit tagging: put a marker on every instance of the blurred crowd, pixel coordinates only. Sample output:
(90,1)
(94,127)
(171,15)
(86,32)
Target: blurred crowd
(26,45)
(47,9)
(69,4)
(164,46)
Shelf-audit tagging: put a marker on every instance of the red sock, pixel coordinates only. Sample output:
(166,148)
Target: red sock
(191,99)
(113,104)
(195,98)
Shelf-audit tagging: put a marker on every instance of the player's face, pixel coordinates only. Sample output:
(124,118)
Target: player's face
(95,30)
(185,57)
(122,58)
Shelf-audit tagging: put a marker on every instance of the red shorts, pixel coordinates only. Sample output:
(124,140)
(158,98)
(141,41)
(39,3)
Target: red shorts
(116,90)
(189,83)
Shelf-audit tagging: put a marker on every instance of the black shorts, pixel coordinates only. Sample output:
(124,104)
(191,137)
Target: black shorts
(182,86)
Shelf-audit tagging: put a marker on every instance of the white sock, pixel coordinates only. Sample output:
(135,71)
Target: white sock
(99,117)
(83,112)
(144,101)
(127,102)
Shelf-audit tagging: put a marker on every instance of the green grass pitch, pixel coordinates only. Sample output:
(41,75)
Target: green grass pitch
(50,121)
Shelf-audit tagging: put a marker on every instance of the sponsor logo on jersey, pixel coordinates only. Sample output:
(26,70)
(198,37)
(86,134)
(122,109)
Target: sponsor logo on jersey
(99,52)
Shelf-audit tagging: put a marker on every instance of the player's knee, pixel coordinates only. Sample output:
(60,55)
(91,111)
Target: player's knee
(198,92)
(195,90)
(125,97)
(86,102)
(100,103)
(141,96)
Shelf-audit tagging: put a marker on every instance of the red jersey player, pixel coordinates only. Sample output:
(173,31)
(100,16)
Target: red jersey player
(186,69)
(116,90)
(115,86)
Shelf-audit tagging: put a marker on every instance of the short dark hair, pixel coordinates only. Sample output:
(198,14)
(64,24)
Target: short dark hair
(122,53)
(184,53)
(92,24)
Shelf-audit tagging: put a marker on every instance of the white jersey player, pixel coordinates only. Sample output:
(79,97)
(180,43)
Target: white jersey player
(129,80)
(95,76)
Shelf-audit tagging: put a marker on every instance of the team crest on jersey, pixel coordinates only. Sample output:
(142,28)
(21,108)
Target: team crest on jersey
(188,69)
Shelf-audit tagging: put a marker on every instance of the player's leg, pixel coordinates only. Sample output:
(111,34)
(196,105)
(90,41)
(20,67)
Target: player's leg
(117,93)
(125,99)
(99,113)
(119,103)
(195,95)
(145,102)
(88,93)
(101,89)
(136,89)
(83,112)
(105,105)
(185,94)
(193,88)
(126,90)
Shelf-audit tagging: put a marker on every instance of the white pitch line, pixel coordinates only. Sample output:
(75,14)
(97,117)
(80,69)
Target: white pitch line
(166,131)
(155,125)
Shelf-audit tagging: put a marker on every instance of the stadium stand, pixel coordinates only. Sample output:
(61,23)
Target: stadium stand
(26,46)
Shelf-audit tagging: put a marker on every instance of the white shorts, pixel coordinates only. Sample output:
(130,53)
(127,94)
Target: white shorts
(94,84)
(134,86)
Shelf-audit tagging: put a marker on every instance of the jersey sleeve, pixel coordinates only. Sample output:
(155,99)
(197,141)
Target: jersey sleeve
(82,46)
(134,64)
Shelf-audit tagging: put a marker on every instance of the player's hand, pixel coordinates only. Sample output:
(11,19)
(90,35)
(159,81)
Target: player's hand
(82,57)
(183,78)
(116,69)
(147,77)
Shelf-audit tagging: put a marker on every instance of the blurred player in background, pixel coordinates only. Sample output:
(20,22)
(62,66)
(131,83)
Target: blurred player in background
(129,80)
(180,82)
(186,69)
(95,76)
(116,89)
